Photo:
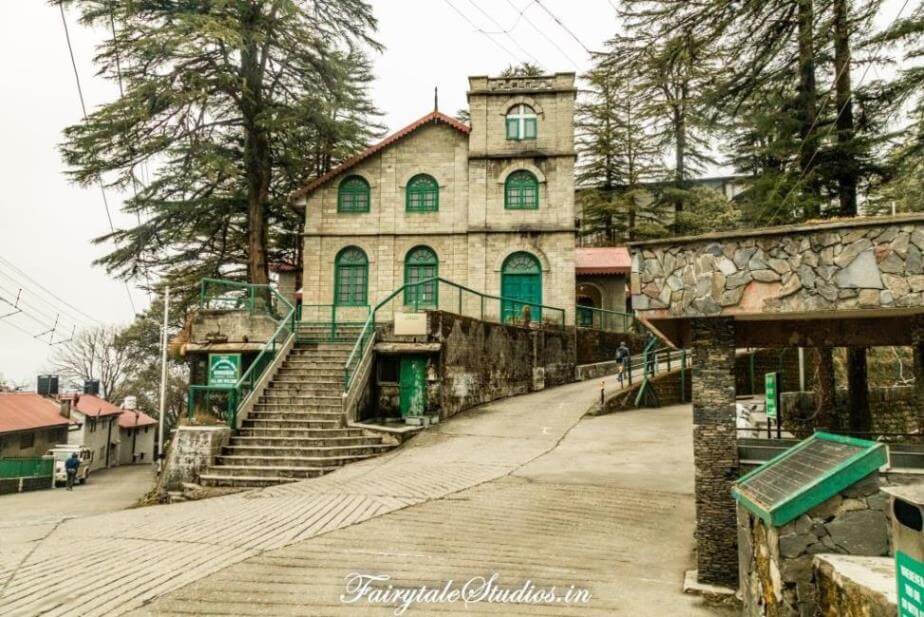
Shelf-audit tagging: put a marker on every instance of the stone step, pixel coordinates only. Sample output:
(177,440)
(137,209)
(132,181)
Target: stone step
(306,362)
(332,374)
(331,416)
(283,398)
(292,462)
(292,424)
(296,441)
(320,407)
(218,478)
(317,455)
(304,388)
(302,433)
(280,471)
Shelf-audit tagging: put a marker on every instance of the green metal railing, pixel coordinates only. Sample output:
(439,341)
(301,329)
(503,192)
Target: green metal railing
(445,295)
(26,467)
(602,319)
(223,295)
(329,322)
(223,401)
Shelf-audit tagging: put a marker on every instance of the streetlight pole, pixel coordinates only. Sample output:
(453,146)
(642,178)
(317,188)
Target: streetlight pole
(163,379)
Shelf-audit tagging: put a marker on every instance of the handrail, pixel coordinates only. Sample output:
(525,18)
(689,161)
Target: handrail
(370,320)
(626,318)
(259,363)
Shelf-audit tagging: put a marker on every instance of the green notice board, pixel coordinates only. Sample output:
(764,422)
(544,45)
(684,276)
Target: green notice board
(772,394)
(224,369)
(909,572)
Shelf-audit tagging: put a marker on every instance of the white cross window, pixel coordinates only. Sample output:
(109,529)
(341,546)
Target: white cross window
(521,122)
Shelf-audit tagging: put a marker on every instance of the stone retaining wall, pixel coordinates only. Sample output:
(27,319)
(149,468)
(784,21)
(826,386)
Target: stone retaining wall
(192,449)
(893,410)
(863,264)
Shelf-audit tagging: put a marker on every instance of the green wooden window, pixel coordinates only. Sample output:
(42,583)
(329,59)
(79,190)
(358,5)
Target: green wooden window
(351,277)
(423,194)
(353,195)
(521,123)
(421,264)
(521,191)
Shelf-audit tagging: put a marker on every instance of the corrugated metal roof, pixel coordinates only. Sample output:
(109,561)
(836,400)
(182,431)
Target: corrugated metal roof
(602,260)
(433,116)
(95,407)
(22,411)
(132,418)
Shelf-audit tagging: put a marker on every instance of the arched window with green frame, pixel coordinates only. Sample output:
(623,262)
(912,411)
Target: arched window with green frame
(353,195)
(521,191)
(420,264)
(351,277)
(422,194)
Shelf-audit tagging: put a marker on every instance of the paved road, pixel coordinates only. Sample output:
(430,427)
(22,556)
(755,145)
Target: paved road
(493,455)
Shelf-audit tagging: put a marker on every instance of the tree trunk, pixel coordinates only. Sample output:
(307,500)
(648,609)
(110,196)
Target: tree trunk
(257,162)
(846,159)
(824,388)
(859,418)
(808,102)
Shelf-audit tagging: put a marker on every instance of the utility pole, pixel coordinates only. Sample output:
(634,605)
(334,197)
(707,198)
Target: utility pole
(163,379)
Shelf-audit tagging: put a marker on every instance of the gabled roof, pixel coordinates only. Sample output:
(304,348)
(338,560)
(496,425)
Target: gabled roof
(132,418)
(432,117)
(95,407)
(23,411)
(602,260)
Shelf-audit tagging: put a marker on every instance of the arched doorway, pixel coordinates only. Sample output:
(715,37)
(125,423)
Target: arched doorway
(421,264)
(587,297)
(521,287)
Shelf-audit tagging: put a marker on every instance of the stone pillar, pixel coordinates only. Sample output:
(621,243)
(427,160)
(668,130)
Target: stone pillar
(715,449)
(917,350)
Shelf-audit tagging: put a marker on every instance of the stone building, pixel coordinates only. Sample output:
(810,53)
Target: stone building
(489,206)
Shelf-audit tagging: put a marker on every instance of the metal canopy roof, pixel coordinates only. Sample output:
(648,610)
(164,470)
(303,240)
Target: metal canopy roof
(807,475)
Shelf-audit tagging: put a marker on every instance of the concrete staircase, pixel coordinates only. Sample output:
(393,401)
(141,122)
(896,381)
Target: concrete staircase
(296,430)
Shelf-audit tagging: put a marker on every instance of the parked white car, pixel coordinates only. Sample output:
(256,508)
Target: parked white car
(62,452)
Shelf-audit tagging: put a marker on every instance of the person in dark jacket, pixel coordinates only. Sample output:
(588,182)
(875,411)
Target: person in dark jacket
(623,355)
(71,466)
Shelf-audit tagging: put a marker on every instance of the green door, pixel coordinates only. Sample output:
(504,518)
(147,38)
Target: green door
(521,286)
(412,386)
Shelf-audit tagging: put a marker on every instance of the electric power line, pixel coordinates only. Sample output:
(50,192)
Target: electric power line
(551,41)
(50,293)
(480,30)
(563,26)
(506,32)
(83,107)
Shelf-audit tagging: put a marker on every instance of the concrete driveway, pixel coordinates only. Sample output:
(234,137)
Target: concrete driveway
(609,509)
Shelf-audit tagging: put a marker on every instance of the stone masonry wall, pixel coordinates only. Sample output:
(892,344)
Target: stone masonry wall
(481,362)
(894,409)
(715,449)
(776,563)
(793,269)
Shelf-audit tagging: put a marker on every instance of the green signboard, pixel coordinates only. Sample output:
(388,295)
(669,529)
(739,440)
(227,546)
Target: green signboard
(224,369)
(909,572)
(772,395)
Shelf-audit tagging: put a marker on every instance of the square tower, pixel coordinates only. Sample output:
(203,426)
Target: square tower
(521,181)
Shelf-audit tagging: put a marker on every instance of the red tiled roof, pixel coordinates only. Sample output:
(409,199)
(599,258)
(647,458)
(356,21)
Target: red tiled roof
(433,116)
(22,411)
(132,418)
(602,260)
(95,407)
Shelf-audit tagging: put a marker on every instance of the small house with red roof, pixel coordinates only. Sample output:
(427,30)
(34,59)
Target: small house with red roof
(602,277)
(488,205)
(97,428)
(30,424)
(136,436)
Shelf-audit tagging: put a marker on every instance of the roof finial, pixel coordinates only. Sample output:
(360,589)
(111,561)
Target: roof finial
(436,98)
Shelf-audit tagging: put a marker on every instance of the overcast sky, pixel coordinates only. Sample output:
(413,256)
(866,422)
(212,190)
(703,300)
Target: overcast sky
(47,223)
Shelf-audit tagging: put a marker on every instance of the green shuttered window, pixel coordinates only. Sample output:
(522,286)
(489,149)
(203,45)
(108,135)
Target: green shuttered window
(521,191)
(353,195)
(351,277)
(423,194)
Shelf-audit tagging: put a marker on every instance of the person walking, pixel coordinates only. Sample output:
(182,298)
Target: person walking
(71,466)
(623,355)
